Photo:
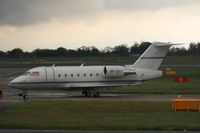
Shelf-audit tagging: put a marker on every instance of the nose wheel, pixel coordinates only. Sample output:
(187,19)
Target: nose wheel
(24,96)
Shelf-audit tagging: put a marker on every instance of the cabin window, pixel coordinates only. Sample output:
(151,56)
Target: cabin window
(65,75)
(97,74)
(78,74)
(90,74)
(84,74)
(72,75)
(59,75)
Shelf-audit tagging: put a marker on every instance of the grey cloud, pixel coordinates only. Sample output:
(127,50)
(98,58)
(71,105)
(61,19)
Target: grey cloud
(146,4)
(27,12)
(24,12)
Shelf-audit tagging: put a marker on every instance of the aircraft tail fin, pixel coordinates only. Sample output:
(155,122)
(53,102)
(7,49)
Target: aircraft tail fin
(153,56)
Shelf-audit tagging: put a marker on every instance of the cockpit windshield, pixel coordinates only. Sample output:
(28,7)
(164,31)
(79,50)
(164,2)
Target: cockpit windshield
(34,73)
(31,73)
(26,73)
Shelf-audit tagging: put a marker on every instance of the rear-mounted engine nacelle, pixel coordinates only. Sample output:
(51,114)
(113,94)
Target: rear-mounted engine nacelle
(113,71)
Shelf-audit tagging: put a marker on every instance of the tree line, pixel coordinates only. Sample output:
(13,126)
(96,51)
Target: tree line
(119,50)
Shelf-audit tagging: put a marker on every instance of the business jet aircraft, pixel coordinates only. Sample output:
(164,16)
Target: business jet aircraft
(90,79)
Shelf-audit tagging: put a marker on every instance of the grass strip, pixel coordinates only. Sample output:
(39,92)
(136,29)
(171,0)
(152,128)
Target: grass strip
(98,115)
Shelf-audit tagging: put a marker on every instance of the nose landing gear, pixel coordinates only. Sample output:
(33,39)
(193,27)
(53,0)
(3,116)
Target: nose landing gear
(24,95)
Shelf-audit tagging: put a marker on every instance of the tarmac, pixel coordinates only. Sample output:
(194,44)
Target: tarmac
(89,131)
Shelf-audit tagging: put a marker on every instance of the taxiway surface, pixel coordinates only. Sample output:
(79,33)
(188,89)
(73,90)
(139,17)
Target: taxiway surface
(89,131)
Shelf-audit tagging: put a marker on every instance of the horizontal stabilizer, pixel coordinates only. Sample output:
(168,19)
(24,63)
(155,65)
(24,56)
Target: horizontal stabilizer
(159,44)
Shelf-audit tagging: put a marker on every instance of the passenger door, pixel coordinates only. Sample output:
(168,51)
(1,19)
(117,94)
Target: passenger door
(50,75)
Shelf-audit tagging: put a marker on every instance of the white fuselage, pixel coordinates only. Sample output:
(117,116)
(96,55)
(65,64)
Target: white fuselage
(95,77)
(82,77)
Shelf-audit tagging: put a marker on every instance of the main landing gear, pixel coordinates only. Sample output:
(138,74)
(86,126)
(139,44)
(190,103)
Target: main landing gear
(89,93)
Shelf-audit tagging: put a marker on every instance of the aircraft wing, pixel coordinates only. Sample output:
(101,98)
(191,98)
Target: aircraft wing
(100,84)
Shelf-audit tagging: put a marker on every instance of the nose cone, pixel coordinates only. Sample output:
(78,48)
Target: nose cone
(12,83)
(9,84)
(15,83)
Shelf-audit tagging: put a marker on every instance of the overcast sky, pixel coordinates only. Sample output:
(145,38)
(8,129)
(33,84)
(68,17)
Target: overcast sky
(31,24)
